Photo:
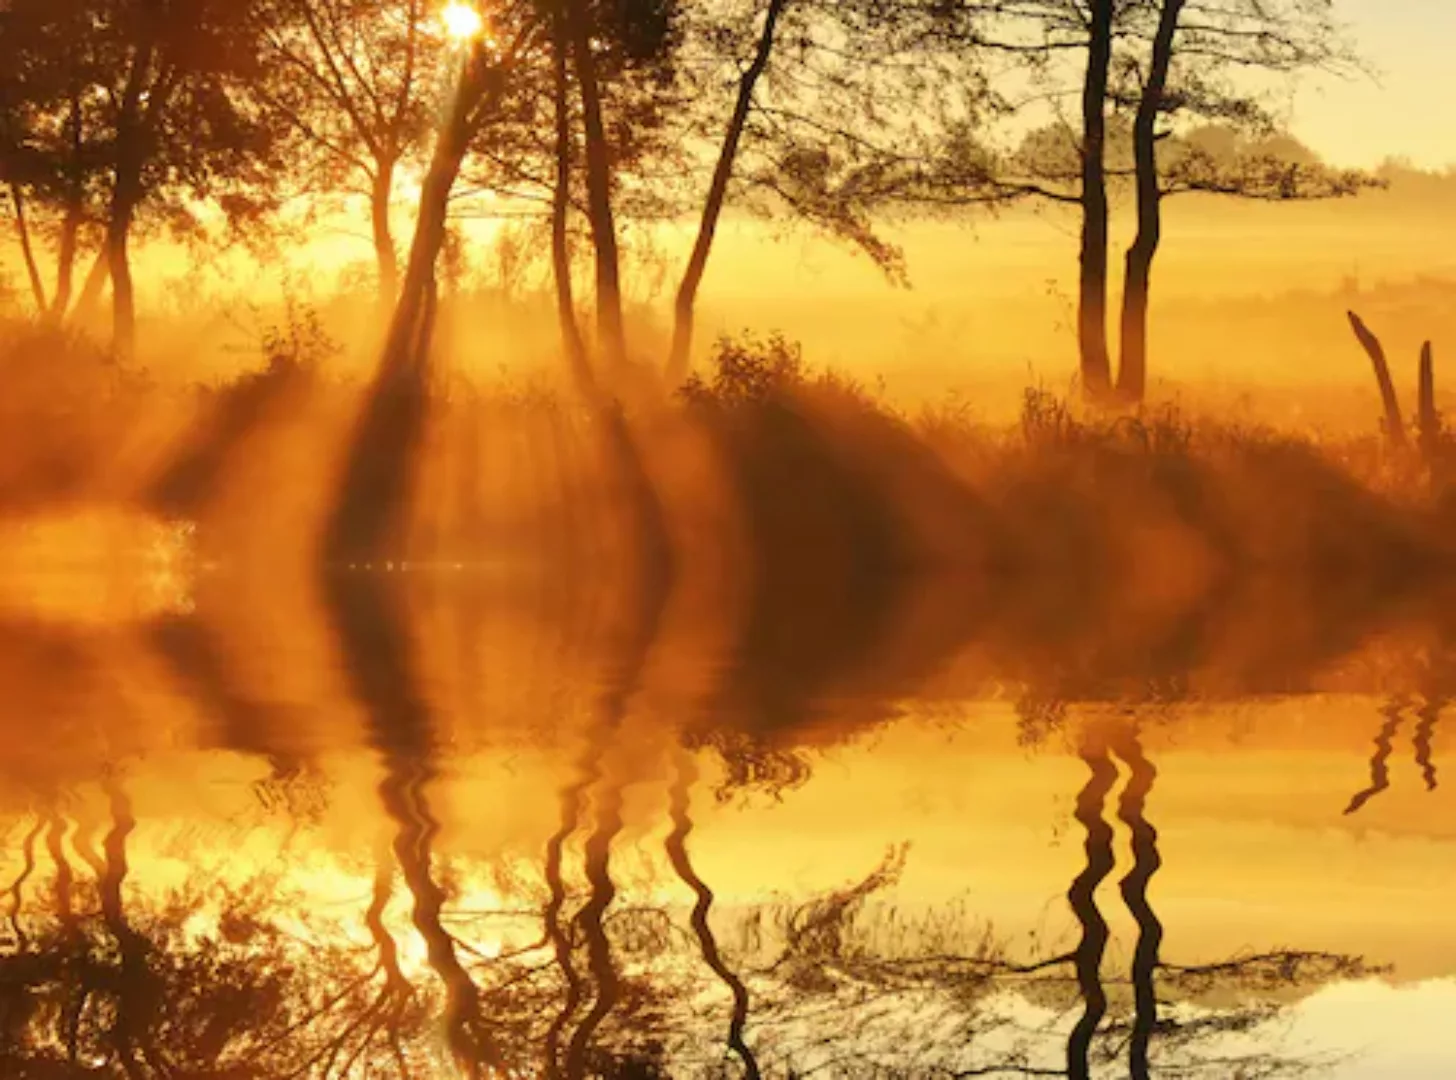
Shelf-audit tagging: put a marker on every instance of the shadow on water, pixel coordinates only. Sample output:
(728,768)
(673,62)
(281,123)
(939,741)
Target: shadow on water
(244,724)
(1436,682)
(16,892)
(606,982)
(1428,717)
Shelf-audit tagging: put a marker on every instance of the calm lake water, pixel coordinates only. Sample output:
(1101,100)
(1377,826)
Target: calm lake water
(423,832)
(843,764)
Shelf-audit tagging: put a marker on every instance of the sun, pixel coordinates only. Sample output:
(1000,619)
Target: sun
(462,22)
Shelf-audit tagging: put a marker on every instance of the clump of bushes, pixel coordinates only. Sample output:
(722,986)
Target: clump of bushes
(747,371)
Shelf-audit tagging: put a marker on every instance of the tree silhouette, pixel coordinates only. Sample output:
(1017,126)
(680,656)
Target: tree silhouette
(1165,104)
(1194,48)
(173,124)
(51,159)
(356,82)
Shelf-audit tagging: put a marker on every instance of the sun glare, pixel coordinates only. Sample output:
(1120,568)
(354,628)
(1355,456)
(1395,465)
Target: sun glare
(462,22)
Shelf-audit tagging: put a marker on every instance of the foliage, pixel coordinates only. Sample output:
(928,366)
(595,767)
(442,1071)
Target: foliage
(746,371)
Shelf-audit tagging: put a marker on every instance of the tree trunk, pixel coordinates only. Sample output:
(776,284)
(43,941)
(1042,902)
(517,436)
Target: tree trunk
(75,212)
(66,263)
(687,293)
(96,279)
(1092,291)
(611,330)
(125,195)
(118,258)
(377,488)
(387,259)
(1132,375)
(22,229)
(571,339)
(1428,421)
(412,326)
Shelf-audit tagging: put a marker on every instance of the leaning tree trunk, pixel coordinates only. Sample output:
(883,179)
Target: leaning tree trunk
(32,269)
(1092,284)
(376,491)
(611,329)
(687,293)
(1132,374)
(412,325)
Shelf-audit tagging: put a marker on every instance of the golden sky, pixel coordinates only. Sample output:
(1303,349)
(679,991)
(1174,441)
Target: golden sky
(1400,109)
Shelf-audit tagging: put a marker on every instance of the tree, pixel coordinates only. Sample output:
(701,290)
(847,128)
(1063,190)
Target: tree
(1092,282)
(834,114)
(1042,37)
(489,72)
(1175,67)
(51,166)
(181,125)
(622,45)
(157,97)
(354,80)
(1195,46)
(692,278)
(1132,370)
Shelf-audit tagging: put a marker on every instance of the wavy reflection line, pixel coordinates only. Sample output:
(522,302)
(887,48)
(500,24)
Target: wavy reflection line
(370,623)
(134,997)
(385,945)
(1083,899)
(1134,887)
(73,1005)
(1429,715)
(403,797)
(677,852)
(653,582)
(1380,759)
(88,825)
(592,921)
(17,887)
(571,798)
(65,880)
(385,1012)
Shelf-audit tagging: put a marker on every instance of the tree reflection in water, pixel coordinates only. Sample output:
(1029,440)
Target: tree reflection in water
(106,978)
(870,570)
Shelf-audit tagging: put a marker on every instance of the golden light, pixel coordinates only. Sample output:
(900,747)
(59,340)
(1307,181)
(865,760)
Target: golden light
(462,22)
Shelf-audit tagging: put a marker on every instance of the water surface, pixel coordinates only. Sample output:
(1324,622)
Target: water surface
(814,755)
